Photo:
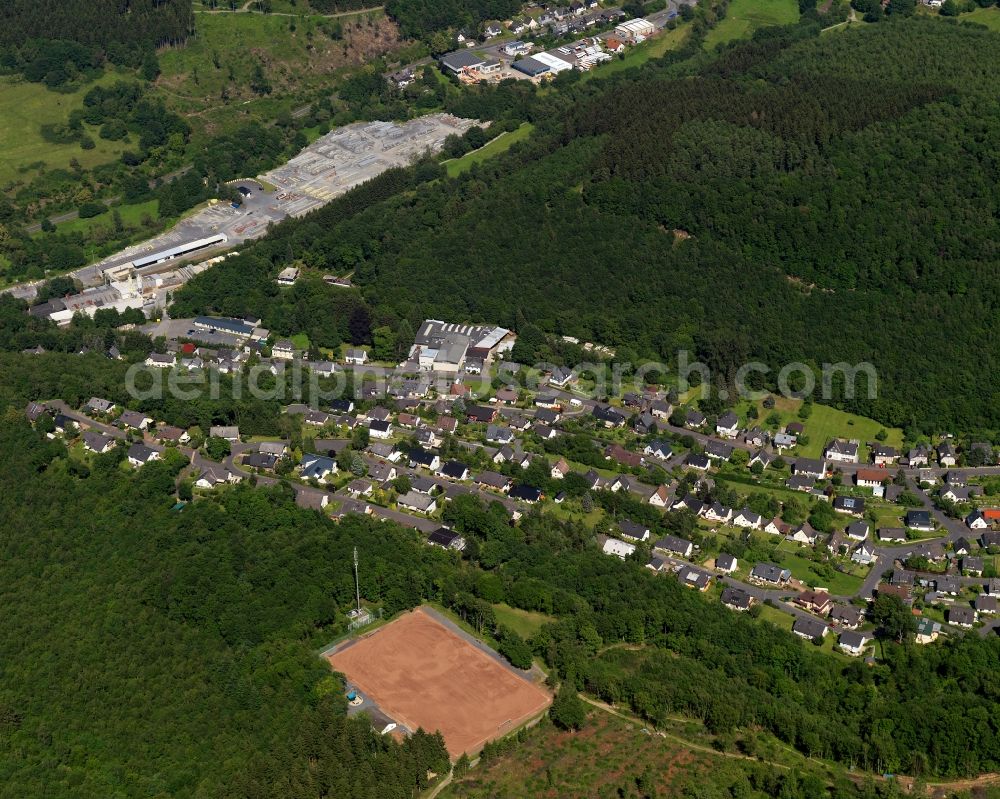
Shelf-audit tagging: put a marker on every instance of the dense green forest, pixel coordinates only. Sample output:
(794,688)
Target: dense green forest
(418,18)
(52,39)
(173,656)
(176,655)
(839,195)
(105,22)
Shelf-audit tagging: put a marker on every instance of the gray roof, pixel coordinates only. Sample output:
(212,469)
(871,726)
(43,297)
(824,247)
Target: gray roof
(461,59)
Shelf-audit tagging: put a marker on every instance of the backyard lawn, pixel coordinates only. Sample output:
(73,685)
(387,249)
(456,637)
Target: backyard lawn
(805,570)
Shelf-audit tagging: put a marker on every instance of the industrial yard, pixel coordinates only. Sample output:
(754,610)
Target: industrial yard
(330,166)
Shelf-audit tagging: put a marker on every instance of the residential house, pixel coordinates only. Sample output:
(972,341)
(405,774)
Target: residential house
(230,434)
(525,493)
(360,488)
(633,531)
(927,631)
(414,501)
(691,503)
(380,430)
(718,450)
(158,361)
(972,566)
(755,437)
(784,441)
(277,448)
(260,460)
(140,454)
(798,482)
(99,405)
(283,349)
(428,460)
(804,534)
(737,598)
(919,520)
(853,643)
(494,480)
(694,578)
(985,604)
(499,435)
(98,442)
(855,506)
(609,416)
(659,449)
(918,456)
(134,419)
(481,414)
(763,457)
(777,526)
(841,451)
(947,584)
(317,467)
(865,554)
(747,518)
(818,602)
(891,535)
(174,435)
(961,616)
(660,498)
(697,461)
(446,539)
(316,418)
(674,545)
(312,500)
(717,513)
(544,432)
(356,357)
(212,476)
(872,478)
(623,456)
(810,629)
(620,549)
(882,455)
(728,425)
(848,617)
(726,563)
(946,454)
(770,574)
(959,493)
(858,530)
(455,470)
(808,467)
(694,419)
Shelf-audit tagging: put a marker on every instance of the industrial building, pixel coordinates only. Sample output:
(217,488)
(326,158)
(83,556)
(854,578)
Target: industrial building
(635,30)
(530,66)
(444,346)
(178,251)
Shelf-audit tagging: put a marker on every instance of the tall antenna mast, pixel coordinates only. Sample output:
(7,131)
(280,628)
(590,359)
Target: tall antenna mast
(357,584)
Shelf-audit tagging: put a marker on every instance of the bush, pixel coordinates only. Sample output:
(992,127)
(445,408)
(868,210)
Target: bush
(91,209)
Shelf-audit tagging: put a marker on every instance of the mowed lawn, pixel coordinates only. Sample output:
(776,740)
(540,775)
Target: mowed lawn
(524,622)
(745,16)
(990,17)
(826,423)
(502,143)
(24,108)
